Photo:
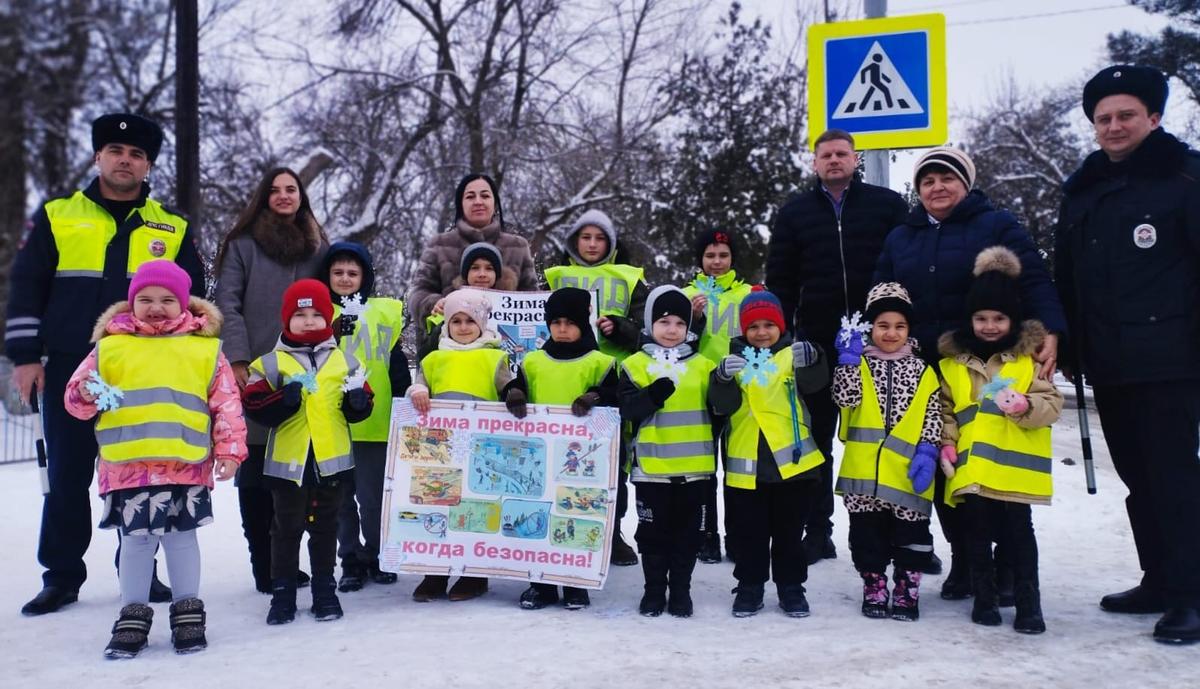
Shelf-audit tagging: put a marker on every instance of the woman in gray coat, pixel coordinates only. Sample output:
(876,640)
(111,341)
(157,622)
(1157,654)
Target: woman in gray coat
(275,242)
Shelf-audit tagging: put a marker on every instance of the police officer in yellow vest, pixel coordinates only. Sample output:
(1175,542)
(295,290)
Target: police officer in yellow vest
(771,459)
(665,393)
(369,328)
(996,446)
(76,260)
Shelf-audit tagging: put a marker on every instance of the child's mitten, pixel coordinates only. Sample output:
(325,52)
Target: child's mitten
(1012,402)
(660,390)
(517,403)
(730,366)
(921,468)
(582,406)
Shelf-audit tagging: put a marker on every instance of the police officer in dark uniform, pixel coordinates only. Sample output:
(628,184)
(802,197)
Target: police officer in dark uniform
(76,260)
(1128,267)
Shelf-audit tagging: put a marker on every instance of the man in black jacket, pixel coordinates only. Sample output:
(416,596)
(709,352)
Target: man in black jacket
(1128,266)
(820,261)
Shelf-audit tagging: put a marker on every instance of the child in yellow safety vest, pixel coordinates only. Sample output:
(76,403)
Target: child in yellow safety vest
(307,392)
(568,370)
(482,267)
(468,364)
(772,462)
(996,447)
(368,327)
(716,294)
(891,427)
(165,429)
(666,392)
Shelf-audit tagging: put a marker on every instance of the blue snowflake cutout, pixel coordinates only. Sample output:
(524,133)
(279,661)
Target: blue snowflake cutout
(108,397)
(759,367)
(308,380)
(997,384)
(709,288)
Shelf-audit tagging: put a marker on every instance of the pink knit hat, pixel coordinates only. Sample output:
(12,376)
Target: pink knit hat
(471,302)
(165,274)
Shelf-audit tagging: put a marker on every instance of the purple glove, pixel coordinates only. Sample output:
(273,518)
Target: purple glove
(920,469)
(849,353)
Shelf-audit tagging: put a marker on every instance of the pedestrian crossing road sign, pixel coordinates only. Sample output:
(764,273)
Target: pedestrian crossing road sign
(882,80)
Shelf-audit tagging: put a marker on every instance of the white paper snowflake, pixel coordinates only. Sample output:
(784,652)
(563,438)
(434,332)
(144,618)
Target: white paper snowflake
(759,367)
(853,324)
(355,380)
(353,305)
(108,397)
(667,365)
(307,379)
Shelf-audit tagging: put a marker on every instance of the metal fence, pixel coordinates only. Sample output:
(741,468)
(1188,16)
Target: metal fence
(16,421)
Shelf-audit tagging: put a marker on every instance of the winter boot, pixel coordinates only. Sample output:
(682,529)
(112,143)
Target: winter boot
(432,587)
(159,592)
(1028,600)
(130,631)
(986,608)
(50,599)
(302,579)
(654,600)
(283,601)
(538,596)
(680,585)
(354,575)
(187,625)
(933,566)
(792,600)
(748,600)
(710,550)
(1005,585)
(957,585)
(622,555)
(467,588)
(1180,625)
(875,595)
(818,547)
(325,603)
(1142,599)
(575,598)
(906,595)
(379,576)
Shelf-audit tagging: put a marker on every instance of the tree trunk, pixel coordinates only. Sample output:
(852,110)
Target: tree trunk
(12,146)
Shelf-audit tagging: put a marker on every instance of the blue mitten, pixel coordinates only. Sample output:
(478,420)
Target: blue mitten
(920,469)
(849,349)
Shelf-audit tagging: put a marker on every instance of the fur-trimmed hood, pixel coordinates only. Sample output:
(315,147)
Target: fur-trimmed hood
(202,318)
(952,343)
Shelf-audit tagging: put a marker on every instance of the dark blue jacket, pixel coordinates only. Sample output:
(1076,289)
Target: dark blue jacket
(935,263)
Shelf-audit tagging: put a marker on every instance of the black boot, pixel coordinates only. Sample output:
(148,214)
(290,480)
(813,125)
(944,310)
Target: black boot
(1180,625)
(654,600)
(792,600)
(680,585)
(539,596)
(159,592)
(354,575)
(1028,600)
(934,566)
(50,599)
(748,600)
(1005,585)
(283,601)
(622,555)
(432,587)
(986,608)
(1139,600)
(130,631)
(188,621)
(575,598)
(710,550)
(818,547)
(379,576)
(957,584)
(325,603)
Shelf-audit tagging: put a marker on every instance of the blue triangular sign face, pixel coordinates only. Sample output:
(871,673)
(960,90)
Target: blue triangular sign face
(877,90)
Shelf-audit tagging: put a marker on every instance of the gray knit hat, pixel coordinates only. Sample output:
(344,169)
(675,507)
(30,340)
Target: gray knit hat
(599,219)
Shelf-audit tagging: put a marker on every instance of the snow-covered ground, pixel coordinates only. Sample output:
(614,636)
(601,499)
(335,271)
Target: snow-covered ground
(1086,551)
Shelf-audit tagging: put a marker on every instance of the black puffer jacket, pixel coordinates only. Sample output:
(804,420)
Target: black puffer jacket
(822,264)
(1133,300)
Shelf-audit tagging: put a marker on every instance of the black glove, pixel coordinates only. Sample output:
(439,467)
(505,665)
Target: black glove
(291,393)
(346,324)
(660,390)
(583,404)
(516,403)
(357,400)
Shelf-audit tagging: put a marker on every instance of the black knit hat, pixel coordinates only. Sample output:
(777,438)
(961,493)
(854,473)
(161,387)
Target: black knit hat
(482,250)
(571,303)
(667,300)
(1144,83)
(127,128)
(996,286)
(709,237)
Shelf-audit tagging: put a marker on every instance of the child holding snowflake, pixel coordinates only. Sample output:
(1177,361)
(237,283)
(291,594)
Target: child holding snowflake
(771,460)
(308,392)
(163,432)
(891,426)
(369,327)
(667,392)
(996,445)
(468,364)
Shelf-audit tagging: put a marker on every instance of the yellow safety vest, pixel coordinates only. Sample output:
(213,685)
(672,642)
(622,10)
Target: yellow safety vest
(453,374)
(82,230)
(995,455)
(318,424)
(678,438)
(767,410)
(613,283)
(376,333)
(876,461)
(164,413)
(721,315)
(560,381)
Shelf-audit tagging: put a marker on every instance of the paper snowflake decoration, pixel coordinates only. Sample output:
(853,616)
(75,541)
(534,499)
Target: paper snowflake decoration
(997,384)
(667,365)
(352,305)
(355,380)
(108,397)
(759,367)
(709,288)
(308,380)
(853,324)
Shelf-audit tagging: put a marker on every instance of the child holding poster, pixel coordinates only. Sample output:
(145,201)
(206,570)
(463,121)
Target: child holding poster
(568,369)
(468,364)
(481,267)
(666,391)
